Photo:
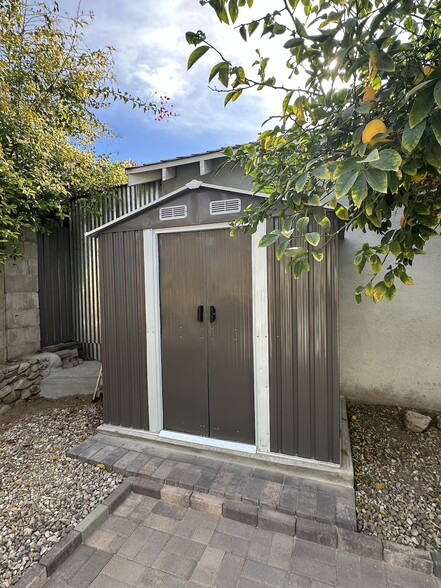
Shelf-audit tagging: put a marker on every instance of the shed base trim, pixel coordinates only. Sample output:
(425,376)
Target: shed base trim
(208,441)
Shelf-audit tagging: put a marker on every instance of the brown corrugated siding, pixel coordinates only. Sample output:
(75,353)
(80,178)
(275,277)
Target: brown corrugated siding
(304,379)
(55,287)
(123,325)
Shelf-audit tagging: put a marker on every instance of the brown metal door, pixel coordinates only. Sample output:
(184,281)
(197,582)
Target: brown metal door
(207,359)
(184,343)
(230,341)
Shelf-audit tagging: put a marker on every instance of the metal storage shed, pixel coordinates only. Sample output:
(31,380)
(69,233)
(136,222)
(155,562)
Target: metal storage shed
(206,339)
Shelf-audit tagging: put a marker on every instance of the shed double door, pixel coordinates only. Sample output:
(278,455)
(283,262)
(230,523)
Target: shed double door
(206,330)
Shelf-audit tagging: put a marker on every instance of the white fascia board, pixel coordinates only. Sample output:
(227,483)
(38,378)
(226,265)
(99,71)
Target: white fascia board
(175,162)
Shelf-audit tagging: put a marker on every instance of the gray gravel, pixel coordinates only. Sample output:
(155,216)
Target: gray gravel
(397,477)
(44,494)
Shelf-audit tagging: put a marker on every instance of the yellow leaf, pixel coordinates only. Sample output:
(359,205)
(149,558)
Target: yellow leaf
(354,417)
(380,486)
(101,466)
(368,96)
(373,65)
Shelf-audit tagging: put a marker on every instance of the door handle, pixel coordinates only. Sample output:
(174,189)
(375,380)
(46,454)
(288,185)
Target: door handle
(212,314)
(200,314)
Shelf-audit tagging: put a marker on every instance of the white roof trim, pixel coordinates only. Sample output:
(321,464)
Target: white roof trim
(193,185)
(175,162)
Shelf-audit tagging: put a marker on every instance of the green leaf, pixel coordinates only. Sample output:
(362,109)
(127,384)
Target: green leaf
(437,94)
(389,279)
(319,215)
(373,156)
(359,190)
(269,239)
(342,212)
(300,28)
(435,123)
(326,224)
(313,238)
(411,137)
(385,62)
(376,263)
(421,107)
(410,167)
(407,280)
(389,160)
(233,10)
(390,293)
(295,252)
(344,183)
(196,54)
(224,74)
(252,27)
(432,154)
(215,70)
(377,180)
(280,251)
(243,32)
(302,225)
(322,172)
(379,291)
(395,248)
(318,254)
(301,181)
(293,42)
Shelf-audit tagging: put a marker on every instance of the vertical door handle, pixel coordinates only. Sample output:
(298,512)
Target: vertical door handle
(212,314)
(201,314)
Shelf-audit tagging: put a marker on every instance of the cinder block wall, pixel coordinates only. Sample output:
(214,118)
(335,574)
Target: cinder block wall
(19,311)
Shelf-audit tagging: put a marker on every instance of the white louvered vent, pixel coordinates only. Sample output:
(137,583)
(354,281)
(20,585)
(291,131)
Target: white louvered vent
(172,212)
(225,206)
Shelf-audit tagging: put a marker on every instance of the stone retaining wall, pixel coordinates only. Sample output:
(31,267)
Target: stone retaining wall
(20,381)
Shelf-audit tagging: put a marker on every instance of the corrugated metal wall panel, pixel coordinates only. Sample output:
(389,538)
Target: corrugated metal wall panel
(304,380)
(55,292)
(85,262)
(123,322)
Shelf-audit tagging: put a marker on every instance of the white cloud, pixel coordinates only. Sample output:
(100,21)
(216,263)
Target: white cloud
(151,55)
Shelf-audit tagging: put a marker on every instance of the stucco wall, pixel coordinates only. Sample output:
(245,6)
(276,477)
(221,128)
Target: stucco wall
(19,308)
(390,353)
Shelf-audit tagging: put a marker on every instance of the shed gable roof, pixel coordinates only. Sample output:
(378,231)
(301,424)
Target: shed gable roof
(193,185)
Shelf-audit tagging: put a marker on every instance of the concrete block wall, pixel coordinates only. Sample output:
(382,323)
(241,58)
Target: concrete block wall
(19,307)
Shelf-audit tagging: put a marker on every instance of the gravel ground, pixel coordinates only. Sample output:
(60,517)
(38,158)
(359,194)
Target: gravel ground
(44,494)
(397,477)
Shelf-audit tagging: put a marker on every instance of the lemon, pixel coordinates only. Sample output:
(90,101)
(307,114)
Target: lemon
(373,128)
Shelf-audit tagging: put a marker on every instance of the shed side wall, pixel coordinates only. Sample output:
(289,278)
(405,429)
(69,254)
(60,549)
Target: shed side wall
(304,378)
(123,324)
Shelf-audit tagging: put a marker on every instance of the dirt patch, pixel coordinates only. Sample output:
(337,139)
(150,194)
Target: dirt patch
(397,476)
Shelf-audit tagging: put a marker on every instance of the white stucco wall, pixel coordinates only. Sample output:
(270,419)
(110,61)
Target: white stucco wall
(390,353)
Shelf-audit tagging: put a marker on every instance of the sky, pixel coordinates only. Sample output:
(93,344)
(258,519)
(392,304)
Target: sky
(151,56)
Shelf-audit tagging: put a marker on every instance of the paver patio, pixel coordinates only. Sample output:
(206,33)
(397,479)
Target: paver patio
(149,543)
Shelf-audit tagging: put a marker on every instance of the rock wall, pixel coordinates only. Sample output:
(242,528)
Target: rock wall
(20,381)
(19,307)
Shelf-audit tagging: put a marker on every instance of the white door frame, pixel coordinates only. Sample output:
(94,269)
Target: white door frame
(260,329)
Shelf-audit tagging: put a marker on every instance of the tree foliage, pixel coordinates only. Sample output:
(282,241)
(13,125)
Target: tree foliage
(359,129)
(52,87)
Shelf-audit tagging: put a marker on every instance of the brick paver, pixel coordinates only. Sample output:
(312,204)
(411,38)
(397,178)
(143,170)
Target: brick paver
(133,549)
(196,521)
(262,487)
